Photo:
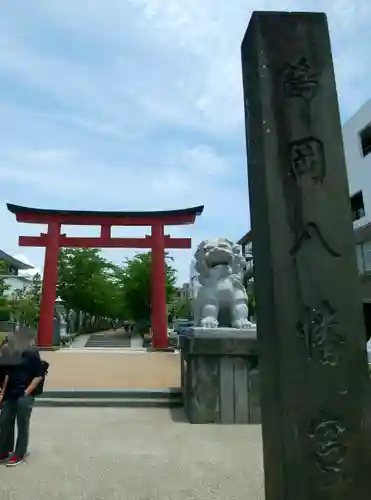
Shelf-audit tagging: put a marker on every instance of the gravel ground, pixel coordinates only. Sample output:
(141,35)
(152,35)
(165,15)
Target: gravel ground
(73,369)
(146,454)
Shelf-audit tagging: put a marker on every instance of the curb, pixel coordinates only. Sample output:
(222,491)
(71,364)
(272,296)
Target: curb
(50,349)
(111,398)
(106,403)
(161,349)
(170,393)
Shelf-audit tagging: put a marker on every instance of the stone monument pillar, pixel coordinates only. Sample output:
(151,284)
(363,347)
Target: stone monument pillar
(312,356)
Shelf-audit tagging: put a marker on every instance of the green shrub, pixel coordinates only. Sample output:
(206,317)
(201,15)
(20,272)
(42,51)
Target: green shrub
(4,312)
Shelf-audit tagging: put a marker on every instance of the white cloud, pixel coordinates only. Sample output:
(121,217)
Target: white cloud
(137,104)
(27,273)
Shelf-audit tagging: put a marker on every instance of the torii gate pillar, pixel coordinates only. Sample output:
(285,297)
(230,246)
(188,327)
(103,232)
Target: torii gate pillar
(48,293)
(158,303)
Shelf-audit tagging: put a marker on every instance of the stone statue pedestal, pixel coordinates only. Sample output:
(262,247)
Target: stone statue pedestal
(220,378)
(136,342)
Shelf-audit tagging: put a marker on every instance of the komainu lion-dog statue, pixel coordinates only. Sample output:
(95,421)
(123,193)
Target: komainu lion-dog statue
(221,300)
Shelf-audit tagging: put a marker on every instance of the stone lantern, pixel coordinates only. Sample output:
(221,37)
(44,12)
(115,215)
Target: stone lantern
(60,321)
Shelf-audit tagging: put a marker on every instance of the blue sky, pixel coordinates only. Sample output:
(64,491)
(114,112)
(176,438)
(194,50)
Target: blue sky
(137,105)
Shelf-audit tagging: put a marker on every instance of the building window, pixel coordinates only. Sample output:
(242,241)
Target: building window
(359,255)
(365,136)
(357,206)
(363,253)
(247,251)
(366,250)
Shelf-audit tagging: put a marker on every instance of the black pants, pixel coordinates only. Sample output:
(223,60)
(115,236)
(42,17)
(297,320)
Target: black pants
(19,410)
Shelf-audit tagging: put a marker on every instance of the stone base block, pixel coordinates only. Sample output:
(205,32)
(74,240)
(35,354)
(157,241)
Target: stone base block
(245,333)
(220,378)
(51,348)
(136,341)
(160,349)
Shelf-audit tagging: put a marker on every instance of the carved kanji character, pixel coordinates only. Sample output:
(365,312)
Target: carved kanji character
(319,328)
(307,159)
(299,80)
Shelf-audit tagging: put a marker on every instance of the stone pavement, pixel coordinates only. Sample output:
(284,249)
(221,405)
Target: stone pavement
(131,454)
(74,369)
(80,341)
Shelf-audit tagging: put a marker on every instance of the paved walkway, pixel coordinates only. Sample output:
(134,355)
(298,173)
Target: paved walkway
(115,339)
(80,341)
(102,339)
(130,454)
(75,369)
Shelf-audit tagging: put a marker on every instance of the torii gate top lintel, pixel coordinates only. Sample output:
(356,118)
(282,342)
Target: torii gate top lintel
(113,218)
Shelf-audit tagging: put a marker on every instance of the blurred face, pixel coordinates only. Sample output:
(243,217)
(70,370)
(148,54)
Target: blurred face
(15,345)
(5,352)
(11,352)
(20,342)
(4,348)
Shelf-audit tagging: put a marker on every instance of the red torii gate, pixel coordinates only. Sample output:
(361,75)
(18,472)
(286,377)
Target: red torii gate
(157,241)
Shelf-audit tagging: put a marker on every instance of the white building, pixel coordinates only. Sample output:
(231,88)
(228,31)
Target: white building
(357,146)
(12,277)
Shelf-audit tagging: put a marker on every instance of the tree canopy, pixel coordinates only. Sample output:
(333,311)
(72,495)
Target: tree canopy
(21,305)
(4,303)
(86,282)
(90,283)
(182,308)
(135,285)
(25,303)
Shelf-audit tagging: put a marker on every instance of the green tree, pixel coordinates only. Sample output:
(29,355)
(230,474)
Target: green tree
(135,285)
(5,309)
(4,271)
(182,308)
(35,289)
(87,283)
(25,303)
(252,302)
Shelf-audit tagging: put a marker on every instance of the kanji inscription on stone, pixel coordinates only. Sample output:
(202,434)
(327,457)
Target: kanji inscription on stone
(307,159)
(320,330)
(306,232)
(300,80)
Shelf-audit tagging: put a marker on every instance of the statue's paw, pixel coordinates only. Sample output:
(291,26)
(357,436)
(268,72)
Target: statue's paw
(242,323)
(209,323)
(237,324)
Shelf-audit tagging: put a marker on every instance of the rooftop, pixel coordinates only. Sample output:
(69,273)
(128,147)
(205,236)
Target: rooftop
(247,238)
(13,262)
